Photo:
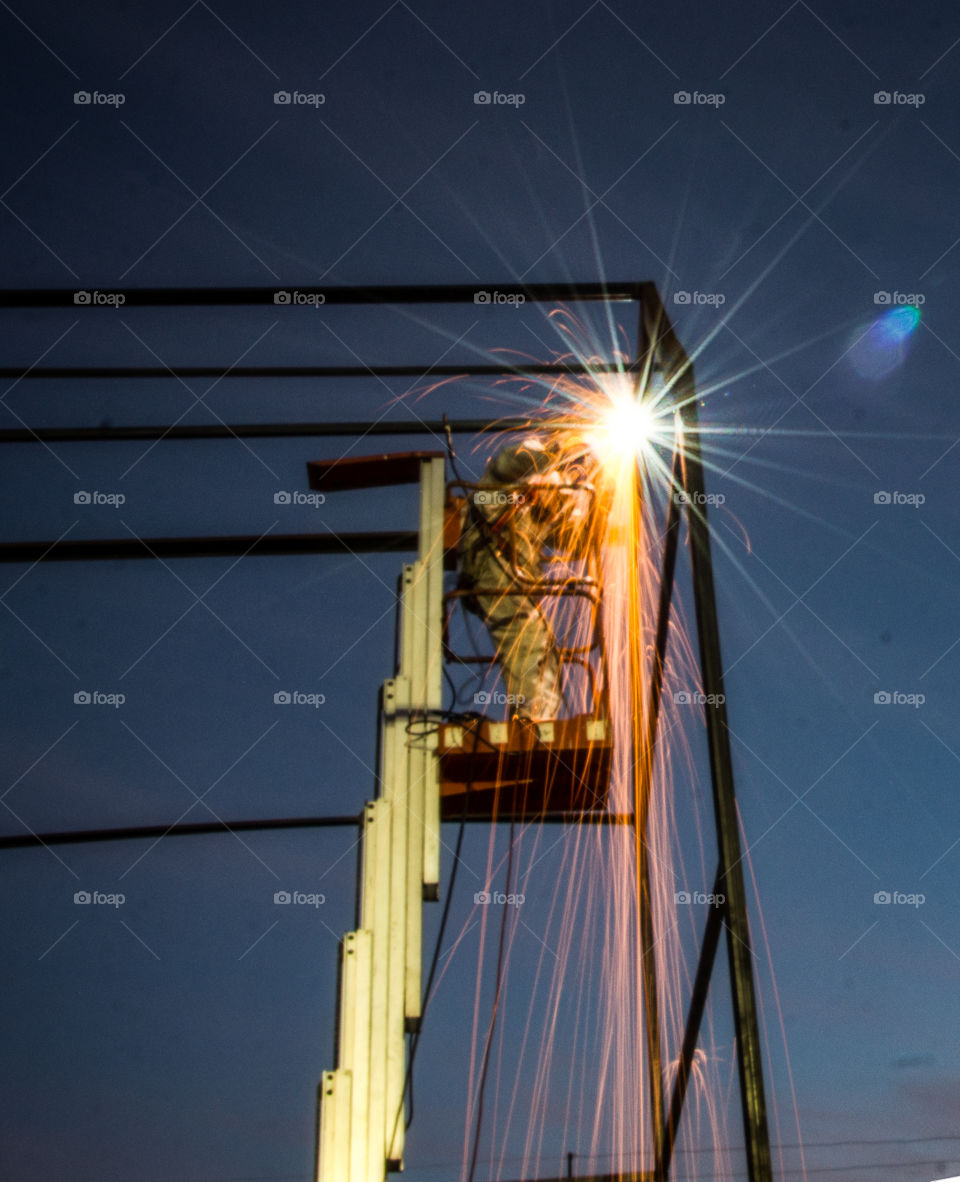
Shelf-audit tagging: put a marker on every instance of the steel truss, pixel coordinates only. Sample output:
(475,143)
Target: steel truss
(381,961)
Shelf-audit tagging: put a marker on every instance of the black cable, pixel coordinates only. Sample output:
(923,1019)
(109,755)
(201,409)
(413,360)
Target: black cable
(448,433)
(495,1009)
(454,692)
(435,959)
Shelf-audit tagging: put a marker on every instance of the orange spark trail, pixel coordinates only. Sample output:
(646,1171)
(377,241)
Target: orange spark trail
(612,908)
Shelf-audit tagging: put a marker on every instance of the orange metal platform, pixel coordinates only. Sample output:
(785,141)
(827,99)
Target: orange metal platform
(523,769)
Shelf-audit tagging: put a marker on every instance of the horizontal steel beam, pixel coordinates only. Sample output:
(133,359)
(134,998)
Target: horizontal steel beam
(225,546)
(109,372)
(462,293)
(21,841)
(261,430)
(142,832)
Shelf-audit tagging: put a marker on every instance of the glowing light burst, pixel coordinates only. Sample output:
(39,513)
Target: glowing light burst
(617,424)
(629,425)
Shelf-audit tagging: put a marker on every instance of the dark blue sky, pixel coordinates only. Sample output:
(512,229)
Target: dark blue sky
(181,1036)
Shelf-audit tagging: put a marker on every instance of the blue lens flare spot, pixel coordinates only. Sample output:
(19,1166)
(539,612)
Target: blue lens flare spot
(898,323)
(883,346)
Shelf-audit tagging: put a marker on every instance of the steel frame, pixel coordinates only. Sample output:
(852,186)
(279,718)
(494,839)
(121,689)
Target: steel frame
(657,349)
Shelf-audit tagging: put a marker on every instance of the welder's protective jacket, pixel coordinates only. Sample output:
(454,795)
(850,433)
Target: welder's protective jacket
(509,531)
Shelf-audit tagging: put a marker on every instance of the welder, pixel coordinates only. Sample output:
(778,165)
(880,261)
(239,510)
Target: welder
(522,508)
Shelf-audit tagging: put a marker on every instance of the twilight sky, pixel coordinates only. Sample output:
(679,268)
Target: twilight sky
(793,212)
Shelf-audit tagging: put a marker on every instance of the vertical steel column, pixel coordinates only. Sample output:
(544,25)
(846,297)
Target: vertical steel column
(691,1033)
(662,351)
(647,368)
(648,728)
(739,954)
(642,773)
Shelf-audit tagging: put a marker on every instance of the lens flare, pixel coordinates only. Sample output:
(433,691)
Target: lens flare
(899,323)
(882,347)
